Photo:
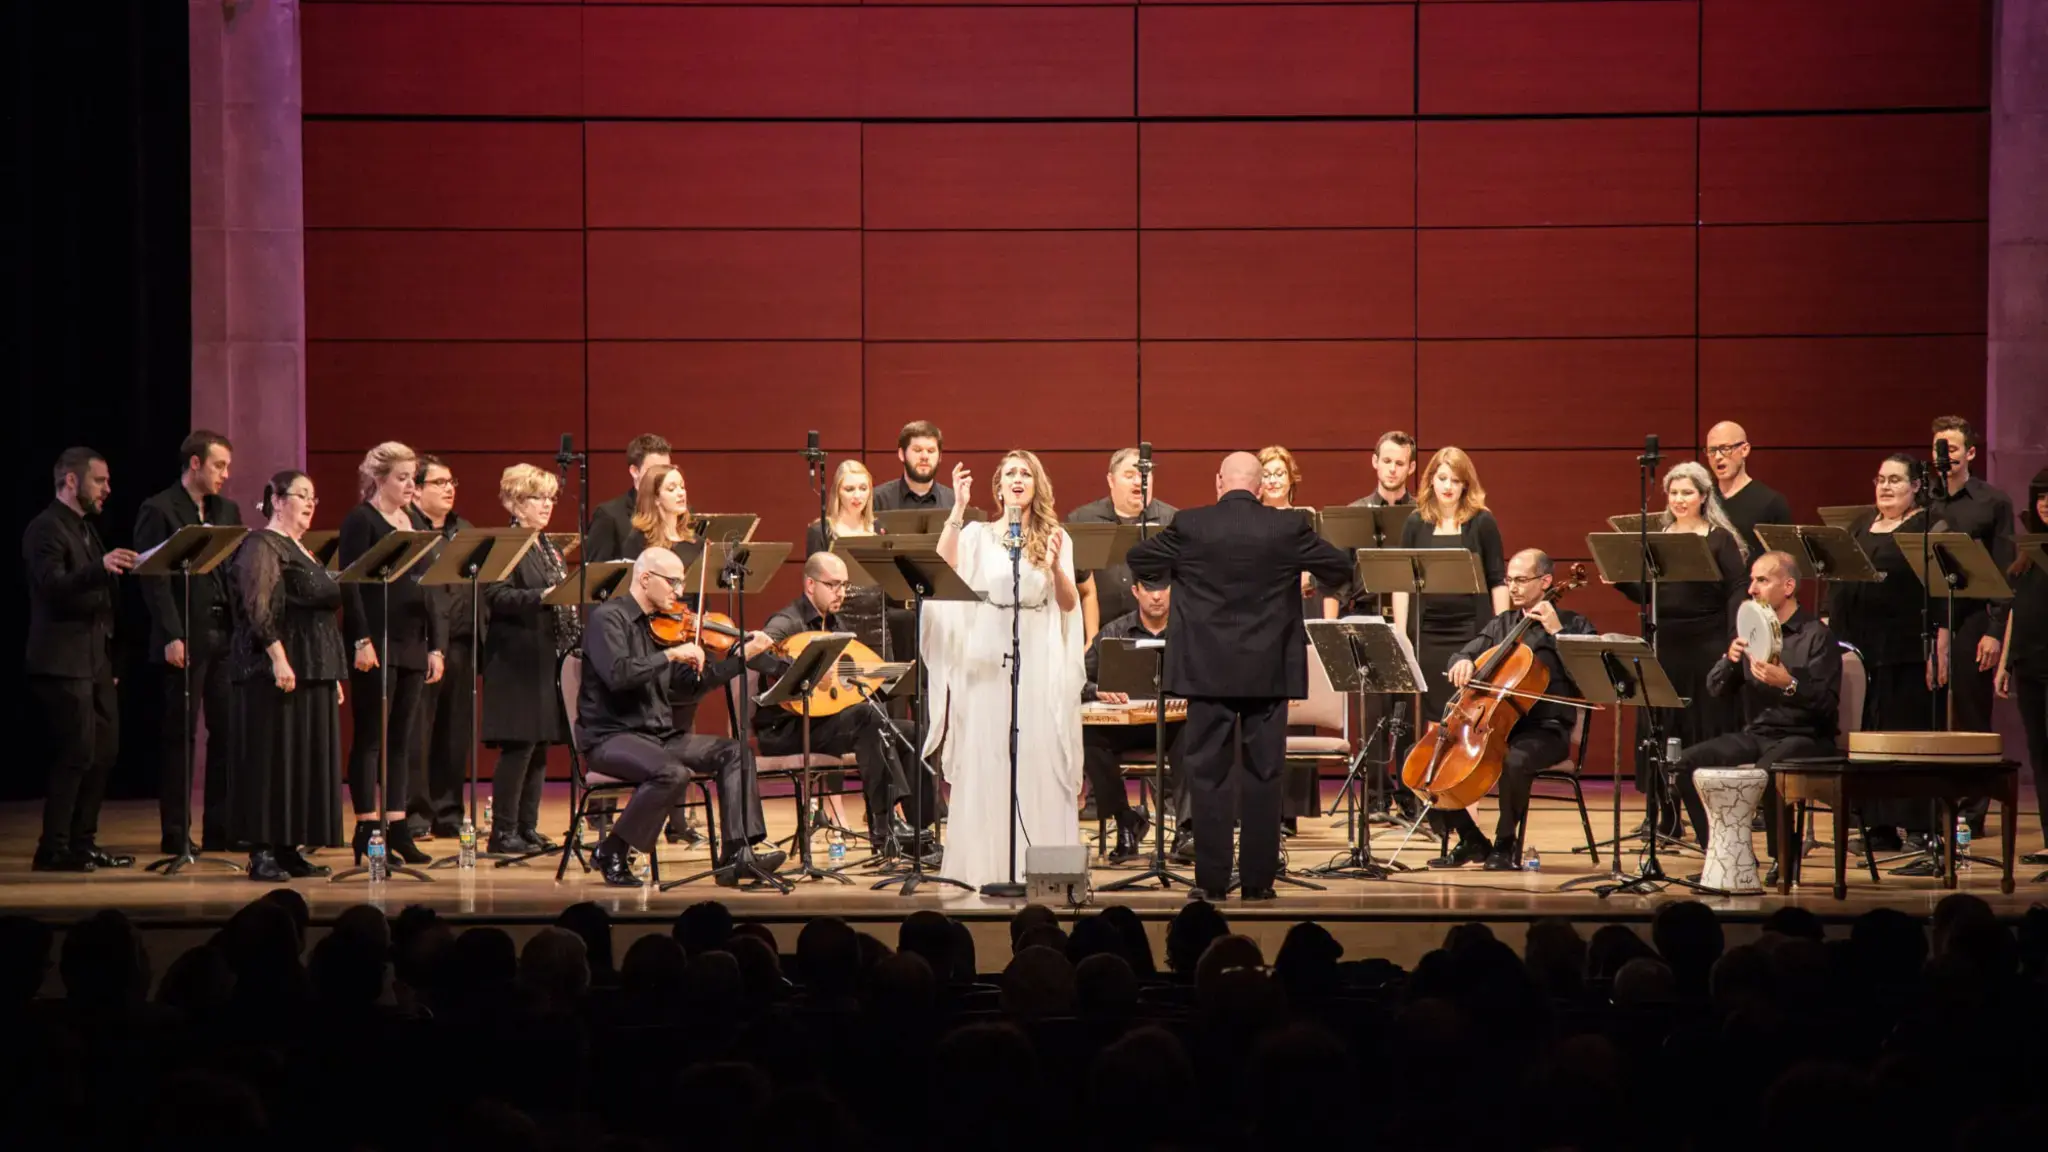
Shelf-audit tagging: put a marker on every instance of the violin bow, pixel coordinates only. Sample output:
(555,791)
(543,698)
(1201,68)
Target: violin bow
(1568,701)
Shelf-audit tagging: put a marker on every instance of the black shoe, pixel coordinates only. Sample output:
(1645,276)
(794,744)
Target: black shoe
(678,832)
(1771,877)
(507,842)
(399,847)
(102,859)
(1501,860)
(534,837)
(1130,838)
(420,827)
(1465,853)
(263,865)
(1925,866)
(1290,828)
(1184,848)
(170,846)
(63,860)
(733,872)
(447,832)
(298,866)
(1257,895)
(616,869)
(2035,858)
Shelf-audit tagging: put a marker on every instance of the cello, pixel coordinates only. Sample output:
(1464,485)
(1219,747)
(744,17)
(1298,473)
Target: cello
(1458,759)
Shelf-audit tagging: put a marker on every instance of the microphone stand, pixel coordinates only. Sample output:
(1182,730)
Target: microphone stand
(1013,888)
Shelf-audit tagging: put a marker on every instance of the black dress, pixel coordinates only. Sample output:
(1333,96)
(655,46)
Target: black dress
(523,648)
(1447,623)
(1882,622)
(284,759)
(1695,622)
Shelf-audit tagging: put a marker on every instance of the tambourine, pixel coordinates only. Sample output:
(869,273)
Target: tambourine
(1756,624)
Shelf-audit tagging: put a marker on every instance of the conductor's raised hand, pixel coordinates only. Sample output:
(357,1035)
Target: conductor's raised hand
(963,483)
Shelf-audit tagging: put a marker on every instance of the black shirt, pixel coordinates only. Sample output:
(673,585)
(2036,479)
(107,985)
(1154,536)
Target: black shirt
(1446,613)
(625,677)
(71,596)
(1702,599)
(455,602)
(1882,619)
(1814,659)
(1353,599)
(159,519)
(2029,653)
(417,625)
(799,615)
(1543,713)
(1125,627)
(1753,504)
(1985,515)
(897,494)
(1113,591)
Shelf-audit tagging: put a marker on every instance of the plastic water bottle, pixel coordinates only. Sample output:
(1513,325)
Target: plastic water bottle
(835,848)
(465,840)
(487,814)
(1962,842)
(379,868)
(1531,862)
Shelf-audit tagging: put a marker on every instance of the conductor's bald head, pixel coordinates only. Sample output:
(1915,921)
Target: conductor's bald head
(1239,473)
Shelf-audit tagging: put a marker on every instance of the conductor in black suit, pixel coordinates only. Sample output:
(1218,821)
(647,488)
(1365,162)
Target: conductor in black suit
(1239,653)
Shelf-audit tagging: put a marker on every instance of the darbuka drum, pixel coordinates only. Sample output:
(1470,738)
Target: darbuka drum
(1731,797)
(1758,625)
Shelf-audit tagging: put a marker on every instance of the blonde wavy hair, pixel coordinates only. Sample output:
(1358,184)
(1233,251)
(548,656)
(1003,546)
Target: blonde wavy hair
(647,510)
(1471,503)
(1710,501)
(1040,519)
(379,462)
(867,513)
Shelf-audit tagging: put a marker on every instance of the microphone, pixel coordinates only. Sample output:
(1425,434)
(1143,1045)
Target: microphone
(1942,459)
(812,451)
(1013,538)
(1650,454)
(568,449)
(1144,455)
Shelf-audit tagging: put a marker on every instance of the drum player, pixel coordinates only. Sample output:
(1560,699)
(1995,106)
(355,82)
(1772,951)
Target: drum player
(1789,700)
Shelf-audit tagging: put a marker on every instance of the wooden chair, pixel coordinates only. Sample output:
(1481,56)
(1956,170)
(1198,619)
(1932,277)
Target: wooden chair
(1566,772)
(586,787)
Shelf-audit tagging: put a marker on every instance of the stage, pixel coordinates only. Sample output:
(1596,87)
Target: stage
(1399,918)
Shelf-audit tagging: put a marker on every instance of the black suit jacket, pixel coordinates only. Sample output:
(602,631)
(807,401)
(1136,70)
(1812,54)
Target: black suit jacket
(1235,568)
(156,521)
(610,523)
(70,597)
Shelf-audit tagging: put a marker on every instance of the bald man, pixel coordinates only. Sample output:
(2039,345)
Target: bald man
(876,741)
(1748,501)
(1238,654)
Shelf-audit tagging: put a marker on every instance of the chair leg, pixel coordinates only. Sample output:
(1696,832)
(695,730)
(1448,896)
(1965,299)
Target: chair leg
(570,843)
(1585,821)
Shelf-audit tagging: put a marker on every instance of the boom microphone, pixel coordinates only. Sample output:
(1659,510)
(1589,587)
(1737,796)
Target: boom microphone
(1650,454)
(567,454)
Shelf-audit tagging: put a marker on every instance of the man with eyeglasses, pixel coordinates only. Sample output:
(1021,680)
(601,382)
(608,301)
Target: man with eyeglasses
(861,730)
(634,712)
(1542,737)
(1747,500)
(435,806)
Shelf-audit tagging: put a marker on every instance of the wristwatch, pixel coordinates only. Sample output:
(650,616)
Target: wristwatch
(362,644)
(1792,689)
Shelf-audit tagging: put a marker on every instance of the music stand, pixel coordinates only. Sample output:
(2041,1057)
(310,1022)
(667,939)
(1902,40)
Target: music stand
(1097,546)
(567,542)
(1135,666)
(1350,527)
(811,666)
(324,547)
(475,557)
(1622,672)
(1841,515)
(719,527)
(1630,523)
(383,564)
(589,584)
(1419,573)
(909,569)
(920,521)
(1363,655)
(1823,553)
(195,550)
(1961,569)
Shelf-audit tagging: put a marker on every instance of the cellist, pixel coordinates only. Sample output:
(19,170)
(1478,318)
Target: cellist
(1542,737)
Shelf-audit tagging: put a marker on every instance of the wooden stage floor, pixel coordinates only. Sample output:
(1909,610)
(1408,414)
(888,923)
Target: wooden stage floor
(529,895)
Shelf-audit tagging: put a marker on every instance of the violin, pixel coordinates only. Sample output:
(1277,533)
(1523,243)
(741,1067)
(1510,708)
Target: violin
(1460,758)
(714,632)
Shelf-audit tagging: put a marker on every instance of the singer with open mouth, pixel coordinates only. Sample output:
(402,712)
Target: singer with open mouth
(1023,565)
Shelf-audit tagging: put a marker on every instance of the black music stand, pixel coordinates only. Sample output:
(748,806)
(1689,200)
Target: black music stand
(195,550)
(1841,515)
(1135,667)
(1363,655)
(1097,546)
(1630,523)
(475,557)
(1651,559)
(324,547)
(1622,671)
(921,521)
(1419,573)
(1954,566)
(909,568)
(1823,553)
(811,666)
(718,527)
(385,563)
(1349,528)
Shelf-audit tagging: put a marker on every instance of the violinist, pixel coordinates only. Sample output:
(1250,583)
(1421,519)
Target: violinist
(1542,737)
(633,715)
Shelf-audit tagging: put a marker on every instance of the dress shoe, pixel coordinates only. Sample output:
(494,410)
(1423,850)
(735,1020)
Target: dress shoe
(2035,858)
(447,832)
(509,843)
(297,866)
(1257,895)
(420,827)
(682,833)
(1200,894)
(1130,838)
(103,859)
(616,869)
(1290,828)
(1465,853)
(398,844)
(1183,848)
(171,846)
(734,872)
(263,865)
(64,860)
(1924,866)
(1501,860)
(534,837)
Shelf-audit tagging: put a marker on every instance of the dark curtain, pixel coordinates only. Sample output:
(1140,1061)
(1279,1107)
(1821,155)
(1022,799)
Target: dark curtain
(100,334)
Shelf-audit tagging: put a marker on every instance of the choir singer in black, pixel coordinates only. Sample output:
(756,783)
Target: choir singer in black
(1239,654)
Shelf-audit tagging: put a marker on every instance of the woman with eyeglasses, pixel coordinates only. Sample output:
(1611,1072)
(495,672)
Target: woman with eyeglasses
(523,649)
(1882,621)
(2023,659)
(286,662)
(1279,479)
(394,659)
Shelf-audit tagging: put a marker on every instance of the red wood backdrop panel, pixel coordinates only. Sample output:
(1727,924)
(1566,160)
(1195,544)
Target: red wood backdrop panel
(1844,280)
(995,62)
(1556,282)
(360,392)
(1308,393)
(711,285)
(1797,386)
(651,174)
(1585,393)
(1263,285)
(437,174)
(440,60)
(712,62)
(1791,54)
(1559,57)
(1320,60)
(1840,169)
(1082,394)
(1481,173)
(1001,285)
(443,285)
(1278,174)
(710,392)
(999,175)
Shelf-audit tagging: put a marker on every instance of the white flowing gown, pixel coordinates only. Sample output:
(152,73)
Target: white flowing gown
(966,648)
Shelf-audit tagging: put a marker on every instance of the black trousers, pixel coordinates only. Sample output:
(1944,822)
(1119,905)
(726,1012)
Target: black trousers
(447,728)
(83,719)
(1101,747)
(209,679)
(1530,750)
(366,711)
(862,731)
(1247,733)
(516,785)
(1739,748)
(730,764)
(2031,694)
(658,776)
(1970,689)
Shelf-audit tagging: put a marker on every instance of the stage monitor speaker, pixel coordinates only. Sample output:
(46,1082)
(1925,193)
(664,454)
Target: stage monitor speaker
(1057,873)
